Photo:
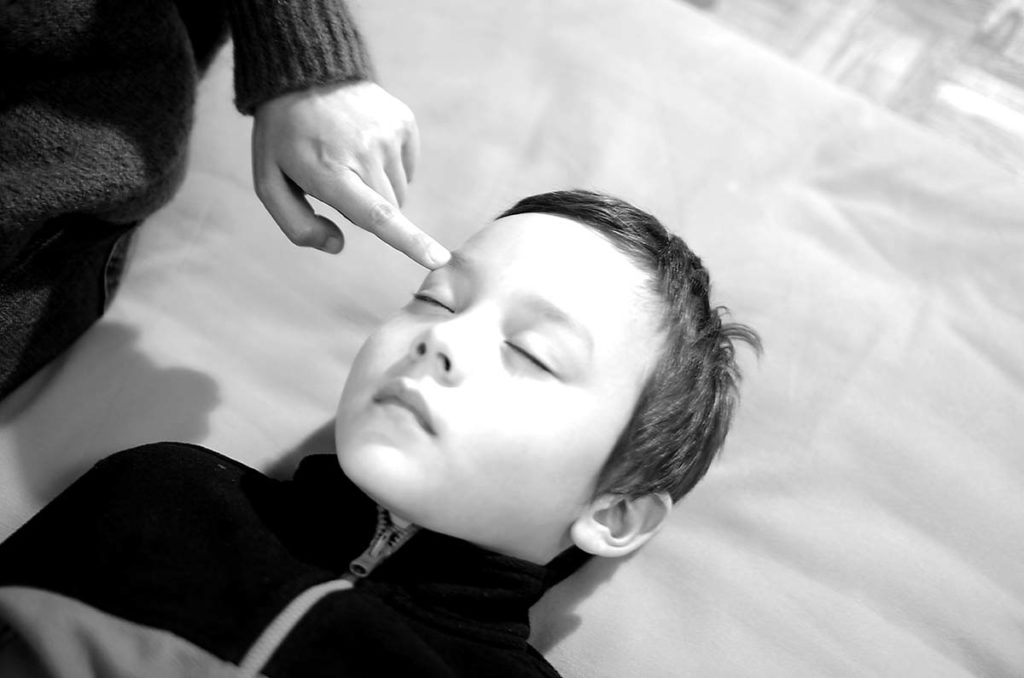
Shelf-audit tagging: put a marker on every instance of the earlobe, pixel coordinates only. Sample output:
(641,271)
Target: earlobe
(612,525)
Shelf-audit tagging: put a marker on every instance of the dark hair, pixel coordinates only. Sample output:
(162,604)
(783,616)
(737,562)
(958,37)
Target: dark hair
(683,413)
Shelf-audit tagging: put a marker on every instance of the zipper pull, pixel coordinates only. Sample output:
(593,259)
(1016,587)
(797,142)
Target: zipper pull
(388,538)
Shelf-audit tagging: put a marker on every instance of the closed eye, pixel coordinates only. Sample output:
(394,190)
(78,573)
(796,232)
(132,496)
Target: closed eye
(529,356)
(431,301)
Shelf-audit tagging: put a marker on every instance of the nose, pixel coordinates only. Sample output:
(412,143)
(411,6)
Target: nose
(433,350)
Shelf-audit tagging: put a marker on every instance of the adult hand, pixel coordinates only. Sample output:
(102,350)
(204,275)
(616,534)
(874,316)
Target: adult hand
(351,145)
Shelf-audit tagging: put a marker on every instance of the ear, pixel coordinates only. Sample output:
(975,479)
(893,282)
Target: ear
(612,525)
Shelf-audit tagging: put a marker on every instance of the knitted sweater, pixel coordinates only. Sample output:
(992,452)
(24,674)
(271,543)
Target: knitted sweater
(96,103)
(171,557)
(97,97)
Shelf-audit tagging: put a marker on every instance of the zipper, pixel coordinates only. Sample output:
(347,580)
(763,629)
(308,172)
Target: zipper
(387,539)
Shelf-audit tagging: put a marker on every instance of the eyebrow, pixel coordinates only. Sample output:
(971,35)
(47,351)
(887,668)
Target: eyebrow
(535,304)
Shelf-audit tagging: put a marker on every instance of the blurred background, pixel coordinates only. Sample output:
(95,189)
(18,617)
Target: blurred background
(956,66)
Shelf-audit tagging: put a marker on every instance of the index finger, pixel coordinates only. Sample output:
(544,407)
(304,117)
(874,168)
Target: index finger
(371,212)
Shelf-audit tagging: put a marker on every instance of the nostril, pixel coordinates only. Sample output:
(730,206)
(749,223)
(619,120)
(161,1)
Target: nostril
(421,349)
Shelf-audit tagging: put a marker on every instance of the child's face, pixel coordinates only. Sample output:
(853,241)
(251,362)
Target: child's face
(504,451)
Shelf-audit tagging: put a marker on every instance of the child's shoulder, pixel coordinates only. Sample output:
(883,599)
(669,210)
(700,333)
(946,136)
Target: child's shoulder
(172,477)
(164,459)
(141,501)
(165,462)
(173,532)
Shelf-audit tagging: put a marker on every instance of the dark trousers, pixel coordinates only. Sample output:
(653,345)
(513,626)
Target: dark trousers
(56,289)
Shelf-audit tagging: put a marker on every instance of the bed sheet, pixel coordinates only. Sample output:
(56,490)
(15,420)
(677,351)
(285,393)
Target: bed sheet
(867,515)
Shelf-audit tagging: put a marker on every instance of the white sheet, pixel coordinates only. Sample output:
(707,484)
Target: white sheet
(867,516)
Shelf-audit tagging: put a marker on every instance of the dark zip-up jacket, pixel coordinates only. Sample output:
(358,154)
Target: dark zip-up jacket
(177,547)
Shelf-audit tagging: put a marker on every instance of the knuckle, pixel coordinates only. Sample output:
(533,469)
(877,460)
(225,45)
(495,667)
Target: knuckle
(381,213)
(331,159)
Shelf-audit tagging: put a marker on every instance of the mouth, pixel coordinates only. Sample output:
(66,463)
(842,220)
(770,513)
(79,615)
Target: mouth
(402,394)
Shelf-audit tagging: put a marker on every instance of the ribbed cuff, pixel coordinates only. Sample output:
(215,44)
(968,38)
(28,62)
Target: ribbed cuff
(287,45)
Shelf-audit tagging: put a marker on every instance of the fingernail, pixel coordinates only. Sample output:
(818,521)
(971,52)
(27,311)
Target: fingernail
(438,254)
(333,244)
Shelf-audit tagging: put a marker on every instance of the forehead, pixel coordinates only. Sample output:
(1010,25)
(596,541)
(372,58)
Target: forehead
(544,250)
(570,265)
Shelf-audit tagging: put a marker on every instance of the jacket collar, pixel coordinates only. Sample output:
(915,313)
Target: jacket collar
(450,581)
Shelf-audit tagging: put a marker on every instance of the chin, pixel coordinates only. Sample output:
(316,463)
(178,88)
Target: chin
(382,472)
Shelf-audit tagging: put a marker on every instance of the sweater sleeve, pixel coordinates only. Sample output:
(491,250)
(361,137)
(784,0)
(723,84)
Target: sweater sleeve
(287,45)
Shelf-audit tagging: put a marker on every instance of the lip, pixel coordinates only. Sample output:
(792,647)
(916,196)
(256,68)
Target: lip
(400,392)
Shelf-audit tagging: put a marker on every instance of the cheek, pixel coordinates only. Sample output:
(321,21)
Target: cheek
(358,381)
(379,352)
(537,436)
(370,364)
